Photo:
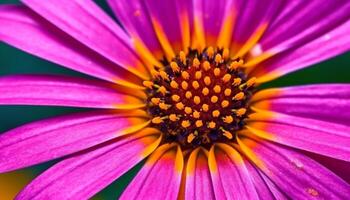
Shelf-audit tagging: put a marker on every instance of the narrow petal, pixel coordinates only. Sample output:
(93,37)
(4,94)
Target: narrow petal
(301,24)
(328,45)
(136,20)
(26,30)
(93,28)
(52,138)
(262,188)
(198,180)
(298,176)
(317,136)
(62,91)
(326,102)
(89,172)
(166,24)
(253,19)
(160,177)
(231,179)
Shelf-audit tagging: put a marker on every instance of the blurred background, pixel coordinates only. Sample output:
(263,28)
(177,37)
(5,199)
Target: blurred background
(13,61)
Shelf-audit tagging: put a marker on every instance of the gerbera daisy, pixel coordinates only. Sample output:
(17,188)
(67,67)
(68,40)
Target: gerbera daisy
(177,84)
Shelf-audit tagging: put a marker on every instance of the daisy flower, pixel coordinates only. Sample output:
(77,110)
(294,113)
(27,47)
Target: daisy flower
(177,83)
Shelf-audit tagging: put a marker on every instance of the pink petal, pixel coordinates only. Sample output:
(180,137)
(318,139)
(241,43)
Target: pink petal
(328,139)
(262,188)
(25,30)
(88,172)
(326,102)
(87,23)
(62,91)
(198,180)
(53,138)
(231,179)
(135,18)
(329,44)
(300,24)
(160,177)
(298,176)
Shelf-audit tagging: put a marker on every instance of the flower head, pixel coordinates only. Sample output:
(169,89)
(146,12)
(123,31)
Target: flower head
(178,85)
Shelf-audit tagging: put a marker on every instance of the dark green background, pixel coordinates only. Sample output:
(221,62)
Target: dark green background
(13,61)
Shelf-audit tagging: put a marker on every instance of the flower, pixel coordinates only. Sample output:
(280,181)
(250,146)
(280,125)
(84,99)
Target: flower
(179,85)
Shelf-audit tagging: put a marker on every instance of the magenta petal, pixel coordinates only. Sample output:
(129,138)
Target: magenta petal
(83,175)
(325,102)
(61,91)
(328,139)
(198,179)
(159,178)
(52,138)
(25,30)
(329,44)
(262,188)
(134,17)
(298,176)
(87,23)
(231,179)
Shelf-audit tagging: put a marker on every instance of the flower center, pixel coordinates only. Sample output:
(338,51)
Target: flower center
(199,98)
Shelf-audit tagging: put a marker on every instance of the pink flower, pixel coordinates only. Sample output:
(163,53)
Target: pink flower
(177,83)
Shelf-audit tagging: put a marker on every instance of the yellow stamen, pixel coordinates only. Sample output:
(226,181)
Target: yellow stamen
(155,100)
(196,62)
(196,114)
(226,78)
(224,103)
(218,59)
(198,74)
(216,113)
(240,112)
(173,117)
(217,89)
(162,90)
(180,106)
(210,52)
(148,84)
(188,94)
(217,71)
(236,81)
(234,65)
(157,120)
(184,85)
(185,123)
(185,75)
(205,91)
(175,97)
(190,138)
(207,80)
(195,84)
(199,123)
(154,73)
(228,119)
(174,84)
(211,124)
(188,110)
(225,53)
(214,99)
(182,56)
(174,67)
(228,135)
(251,82)
(164,106)
(239,96)
(206,65)
(227,92)
(205,107)
(164,75)
(197,100)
